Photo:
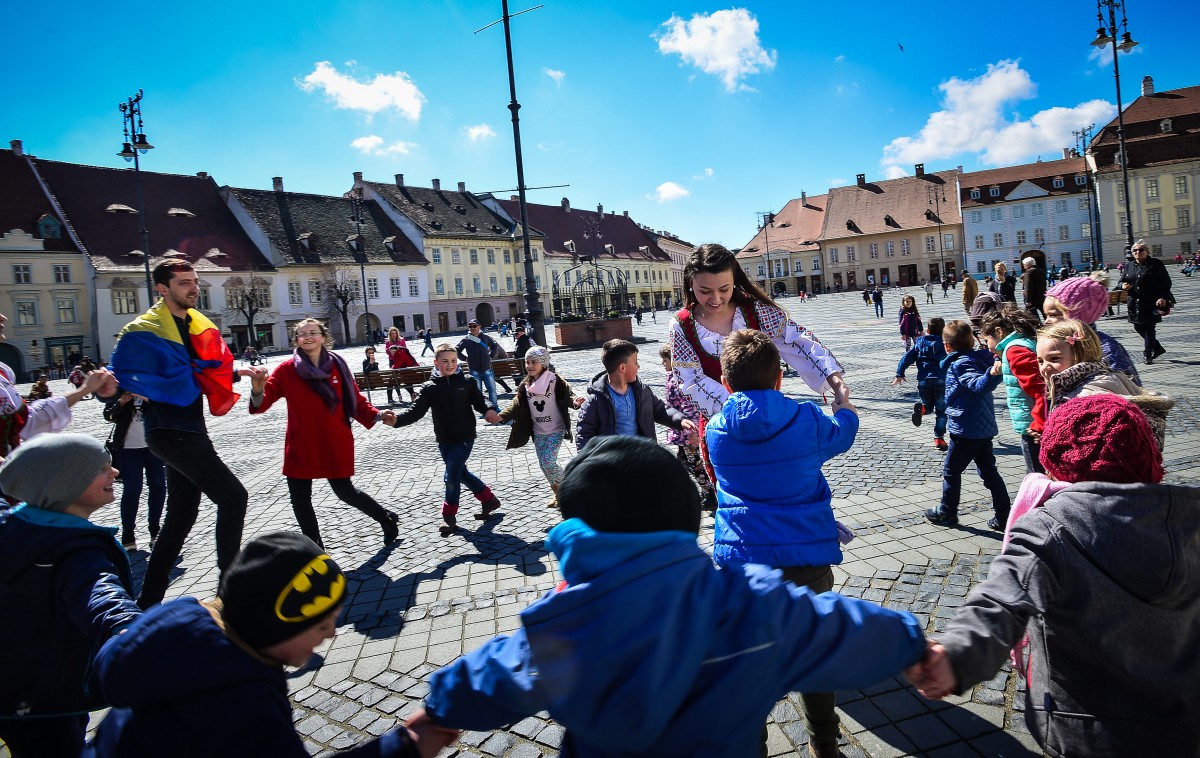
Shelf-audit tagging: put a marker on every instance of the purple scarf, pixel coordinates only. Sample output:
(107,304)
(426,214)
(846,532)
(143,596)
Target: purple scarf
(318,379)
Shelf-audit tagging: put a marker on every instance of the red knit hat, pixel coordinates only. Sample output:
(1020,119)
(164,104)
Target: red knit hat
(1100,438)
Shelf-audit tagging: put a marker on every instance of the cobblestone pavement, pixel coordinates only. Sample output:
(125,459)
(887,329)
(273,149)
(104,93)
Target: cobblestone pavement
(425,600)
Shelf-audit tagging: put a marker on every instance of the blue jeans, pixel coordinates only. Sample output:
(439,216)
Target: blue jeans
(934,396)
(879,310)
(487,383)
(455,456)
(131,462)
(961,453)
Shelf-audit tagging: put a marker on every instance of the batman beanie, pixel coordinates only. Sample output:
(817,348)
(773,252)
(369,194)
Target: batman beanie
(278,586)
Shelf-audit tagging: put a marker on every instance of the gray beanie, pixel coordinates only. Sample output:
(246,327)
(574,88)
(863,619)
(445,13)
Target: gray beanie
(52,471)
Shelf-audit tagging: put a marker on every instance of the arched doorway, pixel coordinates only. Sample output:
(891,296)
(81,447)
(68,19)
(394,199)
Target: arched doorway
(780,288)
(485,314)
(14,360)
(361,329)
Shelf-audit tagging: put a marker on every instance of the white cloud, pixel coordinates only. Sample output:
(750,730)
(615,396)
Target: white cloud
(668,191)
(555,74)
(846,89)
(894,172)
(724,43)
(705,174)
(973,120)
(385,92)
(1102,56)
(839,59)
(373,145)
(479,132)
(838,182)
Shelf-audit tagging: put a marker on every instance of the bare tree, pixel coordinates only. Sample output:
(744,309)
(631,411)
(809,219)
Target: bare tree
(248,298)
(342,292)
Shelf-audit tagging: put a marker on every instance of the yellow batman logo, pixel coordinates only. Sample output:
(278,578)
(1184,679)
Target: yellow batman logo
(313,590)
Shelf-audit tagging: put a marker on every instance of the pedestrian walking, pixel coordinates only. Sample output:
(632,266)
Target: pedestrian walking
(911,326)
(1149,287)
(1033,285)
(877,299)
(929,292)
(970,291)
(476,350)
(427,336)
(1004,285)
(318,443)
(136,463)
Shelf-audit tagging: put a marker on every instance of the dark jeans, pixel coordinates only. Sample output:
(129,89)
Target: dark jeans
(1031,451)
(820,719)
(934,396)
(963,451)
(1150,343)
(879,310)
(455,456)
(48,737)
(300,491)
(132,462)
(193,467)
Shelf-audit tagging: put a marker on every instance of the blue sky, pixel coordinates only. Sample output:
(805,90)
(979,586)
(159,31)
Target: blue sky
(692,117)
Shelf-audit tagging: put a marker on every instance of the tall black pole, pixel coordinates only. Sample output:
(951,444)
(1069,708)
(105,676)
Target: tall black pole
(1112,25)
(533,307)
(131,117)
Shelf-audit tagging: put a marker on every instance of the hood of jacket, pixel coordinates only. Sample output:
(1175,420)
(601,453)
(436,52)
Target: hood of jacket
(758,415)
(983,359)
(23,543)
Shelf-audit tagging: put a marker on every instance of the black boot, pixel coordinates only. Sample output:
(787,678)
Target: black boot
(391,528)
(450,527)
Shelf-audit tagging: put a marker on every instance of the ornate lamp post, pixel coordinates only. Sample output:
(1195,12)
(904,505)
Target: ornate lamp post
(766,220)
(937,195)
(1106,35)
(1083,137)
(360,252)
(135,144)
(591,231)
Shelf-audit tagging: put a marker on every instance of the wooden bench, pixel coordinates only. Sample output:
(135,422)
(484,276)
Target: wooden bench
(1116,298)
(395,379)
(509,368)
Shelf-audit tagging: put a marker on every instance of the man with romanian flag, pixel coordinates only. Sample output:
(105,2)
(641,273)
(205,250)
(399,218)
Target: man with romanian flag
(173,356)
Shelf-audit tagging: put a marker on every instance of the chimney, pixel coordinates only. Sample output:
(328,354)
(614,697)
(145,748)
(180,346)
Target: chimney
(437,184)
(1068,152)
(514,198)
(357,178)
(862,180)
(202,174)
(462,186)
(566,205)
(1147,86)
(17,148)
(626,213)
(599,209)
(399,180)
(919,169)
(803,199)
(277,183)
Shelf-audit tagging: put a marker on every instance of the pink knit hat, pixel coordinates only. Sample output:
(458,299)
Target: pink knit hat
(1083,297)
(1100,438)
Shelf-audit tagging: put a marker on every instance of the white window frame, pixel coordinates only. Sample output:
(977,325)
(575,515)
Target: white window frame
(414,287)
(295,294)
(124,301)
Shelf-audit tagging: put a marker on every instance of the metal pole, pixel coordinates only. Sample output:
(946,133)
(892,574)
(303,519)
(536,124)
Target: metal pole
(1112,24)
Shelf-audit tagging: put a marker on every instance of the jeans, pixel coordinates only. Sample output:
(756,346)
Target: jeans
(934,396)
(1150,343)
(487,383)
(131,462)
(820,719)
(962,452)
(879,310)
(1031,451)
(193,467)
(44,737)
(300,491)
(455,456)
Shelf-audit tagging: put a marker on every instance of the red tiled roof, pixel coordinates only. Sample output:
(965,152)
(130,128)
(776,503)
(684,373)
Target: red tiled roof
(85,192)
(24,202)
(1007,178)
(797,228)
(1144,114)
(905,200)
(560,225)
(1145,140)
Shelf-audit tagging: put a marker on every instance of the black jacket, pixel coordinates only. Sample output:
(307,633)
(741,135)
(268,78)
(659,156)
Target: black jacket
(523,344)
(477,355)
(451,399)
(598,418)
(1148,283)
(522,420)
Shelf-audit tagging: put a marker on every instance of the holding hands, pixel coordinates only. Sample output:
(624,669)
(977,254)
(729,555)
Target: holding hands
(933,675)
(258,378)
(491,416)
(388,417)
(428,736)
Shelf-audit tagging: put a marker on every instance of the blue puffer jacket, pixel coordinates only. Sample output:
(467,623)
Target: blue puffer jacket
(773,503)
(64,589)
(970,408)
(927,353)
(650,650)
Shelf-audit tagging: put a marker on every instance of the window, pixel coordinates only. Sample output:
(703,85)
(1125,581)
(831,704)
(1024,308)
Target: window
(833,255)
(1060,206)
(1181,188)
(458,287)
(314,291)
(533,251)
(460,318)
(976,217)
(978,241)
(27,312)
(974,194)
(566,280)
(1064,232)
(22,273)
(816,264)
(1058,182)
(996,214)
(1156,251)
(1151,189)
(981,267)
(474,256)
(889,248)
(780,268)
(762,271)
(1081,181)
(124,301)
(263,296)
(1083,203)
(203,302)
(637,277)
(454,256)
(1085,230)
(797,267)
(1018,211)
(491,255)
(929,244)
(904,247)
(1021,237)
(1185,247)
(414,287)
(1121,220)
(475,285)
(1120,194)
(520,282)
(998,239)
(873,249)
(62,273)
(508,258)
(537,281)
(1039,235)
(372,289)
(1154,220)
(395,287)
(48,228)
(851,254)
(1183,216)
(439,286)
(994,192)
(947,241)
(66,310)
(495,287)
(508,281)
(437,255)
(295,294)
(1038,209)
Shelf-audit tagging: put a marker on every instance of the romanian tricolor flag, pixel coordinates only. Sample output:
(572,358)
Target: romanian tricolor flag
(151,360)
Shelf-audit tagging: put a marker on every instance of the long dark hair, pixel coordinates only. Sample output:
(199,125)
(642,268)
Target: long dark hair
(715,259)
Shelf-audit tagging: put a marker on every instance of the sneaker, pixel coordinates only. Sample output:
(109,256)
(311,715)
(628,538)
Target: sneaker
(940,444)
(450,527)
(391,528)
(936,517)
(995,523)
(489,507)
(918,412)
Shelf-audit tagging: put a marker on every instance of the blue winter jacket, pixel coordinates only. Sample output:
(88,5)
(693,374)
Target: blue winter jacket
(183,688)
(970,410)
(650,650)
(927,353)
(773,503)
(64,589)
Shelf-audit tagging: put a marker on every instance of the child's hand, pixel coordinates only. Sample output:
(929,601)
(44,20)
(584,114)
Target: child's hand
(933,676)
(428,736)
(897,381)
(996,368)
(491,416)
(578,402)
(388,417)
(835,406)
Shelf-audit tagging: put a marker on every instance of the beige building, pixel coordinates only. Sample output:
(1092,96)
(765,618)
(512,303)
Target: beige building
(784,256)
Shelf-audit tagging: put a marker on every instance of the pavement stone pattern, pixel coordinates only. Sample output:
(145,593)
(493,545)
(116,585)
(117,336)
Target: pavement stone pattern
(422,602)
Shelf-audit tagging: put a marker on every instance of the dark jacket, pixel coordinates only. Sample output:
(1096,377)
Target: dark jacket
(927,354)
(1148,283)
(970,409)
(524,342)
(1007,289)
(1106,581)
(1033,282)
(522,421)
(64,589)
(598,418)
(478,355)
(214,698)
(451,399)
(121,414)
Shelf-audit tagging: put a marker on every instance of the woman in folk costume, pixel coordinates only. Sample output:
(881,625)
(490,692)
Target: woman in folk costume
(322,399)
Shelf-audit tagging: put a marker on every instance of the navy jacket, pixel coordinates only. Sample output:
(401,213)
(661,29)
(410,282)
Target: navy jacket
(651,651)
(598,418)
(181,687)
(64,589)
(970,409)
(927,354)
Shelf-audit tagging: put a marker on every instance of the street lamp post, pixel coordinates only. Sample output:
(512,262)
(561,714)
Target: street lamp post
(1106,35)
(135,144)
(360,250)
(1083,137)
(936,196)
(767,220)
(591,231)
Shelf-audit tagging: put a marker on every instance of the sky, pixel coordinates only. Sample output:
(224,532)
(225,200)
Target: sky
(695,118)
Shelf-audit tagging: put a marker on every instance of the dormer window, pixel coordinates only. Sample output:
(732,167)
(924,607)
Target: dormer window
(975,194)
(1080,180)
(994,192)
(889,220)
(180,213)
(48,228)
(1165,125)
(390,244)
(356,242)
(119,208)
(308,241)
(1058,182)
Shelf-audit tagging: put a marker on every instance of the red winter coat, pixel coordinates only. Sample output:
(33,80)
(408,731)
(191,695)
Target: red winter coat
(318,443)
(398,354)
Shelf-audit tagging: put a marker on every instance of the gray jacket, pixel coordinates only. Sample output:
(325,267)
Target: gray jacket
(598,418)
(1107,579)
